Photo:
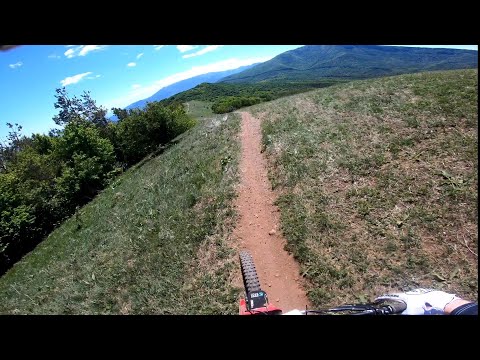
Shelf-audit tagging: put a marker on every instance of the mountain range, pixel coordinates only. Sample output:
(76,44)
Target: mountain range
(314,62)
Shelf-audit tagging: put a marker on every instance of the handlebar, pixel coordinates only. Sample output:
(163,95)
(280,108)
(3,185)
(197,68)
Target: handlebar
(395,306)
(256,301)
(378,308)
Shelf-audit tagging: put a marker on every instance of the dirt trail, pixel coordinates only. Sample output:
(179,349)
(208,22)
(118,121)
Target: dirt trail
(278,272)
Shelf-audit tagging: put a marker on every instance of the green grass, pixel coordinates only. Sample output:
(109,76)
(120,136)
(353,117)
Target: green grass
(199,109)
(377,184)
(154,242)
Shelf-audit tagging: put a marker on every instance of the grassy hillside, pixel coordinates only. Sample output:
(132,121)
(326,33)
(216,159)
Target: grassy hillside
(378,184)
(270,90)
(151,243)
(316,62)
(219,93)
(199,109)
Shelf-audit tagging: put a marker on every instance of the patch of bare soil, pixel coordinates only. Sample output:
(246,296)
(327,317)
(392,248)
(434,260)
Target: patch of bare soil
(258,228)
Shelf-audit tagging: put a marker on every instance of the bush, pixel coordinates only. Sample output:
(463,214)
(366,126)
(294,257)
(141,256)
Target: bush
(87,161)
(142,132)
(17,220)
(232,103)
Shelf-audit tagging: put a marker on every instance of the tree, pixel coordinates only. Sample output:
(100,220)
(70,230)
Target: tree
(15,143)
(120,113)
(142,131)
(25,210)
(44,178)
(74,109)
(88,160)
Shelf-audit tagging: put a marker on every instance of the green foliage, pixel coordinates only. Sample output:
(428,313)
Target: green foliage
(87,162)
(23,211)
(73,109)
(16,142)
(231,103)
(229,97)
(143,131)
(44,178)
(46,181)
(82,139)
(42,144)
(120,113)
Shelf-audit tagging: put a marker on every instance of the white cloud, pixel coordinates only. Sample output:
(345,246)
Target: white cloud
(139,55)
(74,79)
(17,64)
(136,86)
(158,47)
(185,48)
(88,48)
(54,56)
(131,64)
(203,51)
(69,53)
(81,50)
(142,92)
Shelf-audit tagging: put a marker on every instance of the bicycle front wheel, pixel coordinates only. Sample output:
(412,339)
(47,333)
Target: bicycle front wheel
(249,273)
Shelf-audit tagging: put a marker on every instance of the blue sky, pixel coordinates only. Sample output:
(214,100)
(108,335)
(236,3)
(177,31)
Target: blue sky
(116,75)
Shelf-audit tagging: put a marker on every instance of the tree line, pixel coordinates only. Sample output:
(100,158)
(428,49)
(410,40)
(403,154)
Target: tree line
(227,97)
(45,178)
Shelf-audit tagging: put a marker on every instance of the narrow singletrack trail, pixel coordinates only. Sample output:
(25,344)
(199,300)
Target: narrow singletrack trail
(258,228)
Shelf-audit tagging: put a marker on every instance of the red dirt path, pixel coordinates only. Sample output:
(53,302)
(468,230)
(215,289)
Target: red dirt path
(277,270)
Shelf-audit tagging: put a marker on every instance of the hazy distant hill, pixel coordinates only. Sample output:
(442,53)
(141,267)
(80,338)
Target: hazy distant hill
(354,62)
(186,85)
